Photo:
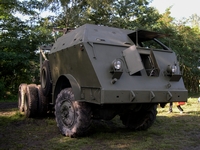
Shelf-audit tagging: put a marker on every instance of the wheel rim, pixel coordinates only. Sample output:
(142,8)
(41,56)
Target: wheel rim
(67,113)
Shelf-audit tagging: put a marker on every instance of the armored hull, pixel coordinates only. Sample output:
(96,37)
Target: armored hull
(87,55)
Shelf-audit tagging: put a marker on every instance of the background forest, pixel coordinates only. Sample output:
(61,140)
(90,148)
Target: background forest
(23,28)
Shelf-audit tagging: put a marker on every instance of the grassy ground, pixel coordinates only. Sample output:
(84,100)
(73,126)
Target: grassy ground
(173,131)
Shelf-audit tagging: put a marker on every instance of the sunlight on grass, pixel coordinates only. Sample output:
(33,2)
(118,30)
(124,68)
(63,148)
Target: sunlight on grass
(192,107)
(9,112)
(7,117)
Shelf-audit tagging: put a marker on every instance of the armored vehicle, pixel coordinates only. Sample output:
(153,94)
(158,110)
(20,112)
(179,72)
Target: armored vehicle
(98,72)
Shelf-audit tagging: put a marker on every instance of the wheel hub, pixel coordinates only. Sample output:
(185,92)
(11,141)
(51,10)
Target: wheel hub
(67,113)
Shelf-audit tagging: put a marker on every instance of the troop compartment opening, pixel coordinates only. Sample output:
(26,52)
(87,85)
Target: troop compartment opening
(150,64)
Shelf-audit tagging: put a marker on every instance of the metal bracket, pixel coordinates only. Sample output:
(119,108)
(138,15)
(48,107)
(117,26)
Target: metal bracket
(92,45)
(152,95)
(169,96)
(132,96)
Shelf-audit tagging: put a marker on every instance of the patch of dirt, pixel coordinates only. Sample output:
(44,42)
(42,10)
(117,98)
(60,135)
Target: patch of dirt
(8,108)
(7,105)
(24,133)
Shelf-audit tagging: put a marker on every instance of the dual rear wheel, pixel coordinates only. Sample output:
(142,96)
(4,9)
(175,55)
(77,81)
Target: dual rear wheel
(21,96)
(31,101)
(32,98)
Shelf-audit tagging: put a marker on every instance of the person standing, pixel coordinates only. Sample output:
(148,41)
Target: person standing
(178,106)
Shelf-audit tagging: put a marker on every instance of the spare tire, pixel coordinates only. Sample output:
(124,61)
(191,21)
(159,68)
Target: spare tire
(46,81)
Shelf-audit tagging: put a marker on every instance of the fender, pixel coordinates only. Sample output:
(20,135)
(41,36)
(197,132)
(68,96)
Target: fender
(67,81)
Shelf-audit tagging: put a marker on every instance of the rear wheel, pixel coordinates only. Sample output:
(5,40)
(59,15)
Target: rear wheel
(42,102)
(140,120)
(21,96)
(31,101)
(73,118)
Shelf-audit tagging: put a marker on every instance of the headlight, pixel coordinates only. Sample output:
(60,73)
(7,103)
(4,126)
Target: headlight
(116,70)
(117,64)
(172,69)
(173,72)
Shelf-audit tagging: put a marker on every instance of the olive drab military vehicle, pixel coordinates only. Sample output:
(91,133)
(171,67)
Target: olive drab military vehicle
(98,72)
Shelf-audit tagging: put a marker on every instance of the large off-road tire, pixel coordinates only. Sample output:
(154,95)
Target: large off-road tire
(21,96)
(46,81)
(42,102)
(140,120)
(73,118)
(31,102)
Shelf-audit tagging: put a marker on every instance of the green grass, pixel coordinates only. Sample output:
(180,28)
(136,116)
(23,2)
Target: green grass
(169,131)
(10,117)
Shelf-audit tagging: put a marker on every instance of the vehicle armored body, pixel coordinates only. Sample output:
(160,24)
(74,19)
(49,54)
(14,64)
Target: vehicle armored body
(98,72)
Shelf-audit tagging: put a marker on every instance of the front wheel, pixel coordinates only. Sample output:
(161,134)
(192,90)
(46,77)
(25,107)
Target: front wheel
(140,120)
(73,117)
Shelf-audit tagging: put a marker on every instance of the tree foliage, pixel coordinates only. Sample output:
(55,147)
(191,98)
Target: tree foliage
(117,13)
(184,40)
(18,41)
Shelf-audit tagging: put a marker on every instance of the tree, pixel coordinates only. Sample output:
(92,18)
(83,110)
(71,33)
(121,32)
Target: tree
(195,21)
(118,13)
(19,39)
(184,40)
(189,50)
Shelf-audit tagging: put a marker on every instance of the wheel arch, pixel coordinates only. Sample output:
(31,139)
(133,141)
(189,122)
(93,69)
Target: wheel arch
(66,81)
